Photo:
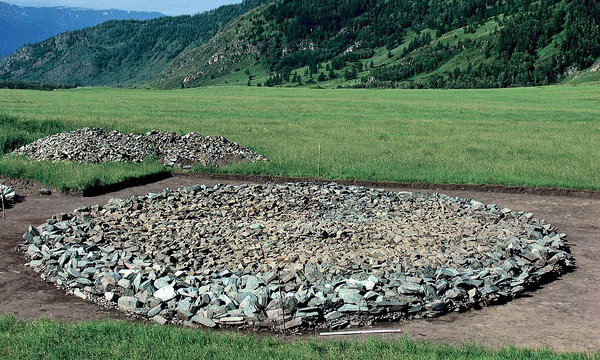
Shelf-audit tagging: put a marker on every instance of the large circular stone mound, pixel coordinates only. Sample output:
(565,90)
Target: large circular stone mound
(330,256)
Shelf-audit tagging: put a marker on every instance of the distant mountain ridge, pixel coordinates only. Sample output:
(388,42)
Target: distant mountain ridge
(21,25)
(123,53)
(331,43)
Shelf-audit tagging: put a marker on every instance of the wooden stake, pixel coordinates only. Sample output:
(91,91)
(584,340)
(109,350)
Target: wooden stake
(319,164)
(2,201)
(281,303)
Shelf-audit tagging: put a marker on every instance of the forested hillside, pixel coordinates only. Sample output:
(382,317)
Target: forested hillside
(20,25)
(117,52)
(400,43)
(332,43)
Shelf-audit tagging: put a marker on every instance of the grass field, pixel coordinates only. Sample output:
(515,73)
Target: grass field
(537,137)
(124,340)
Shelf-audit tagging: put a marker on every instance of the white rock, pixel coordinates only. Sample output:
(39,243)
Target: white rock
(165,293)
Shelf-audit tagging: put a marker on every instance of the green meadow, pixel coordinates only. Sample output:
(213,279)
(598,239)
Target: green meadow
(126,340)
(535,137)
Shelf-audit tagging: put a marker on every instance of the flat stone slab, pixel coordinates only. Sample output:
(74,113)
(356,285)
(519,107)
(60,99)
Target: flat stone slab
(8,192)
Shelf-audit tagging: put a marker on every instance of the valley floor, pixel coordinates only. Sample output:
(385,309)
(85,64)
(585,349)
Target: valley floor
(534,137)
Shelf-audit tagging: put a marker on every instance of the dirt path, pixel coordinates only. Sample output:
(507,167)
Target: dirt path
(563,315)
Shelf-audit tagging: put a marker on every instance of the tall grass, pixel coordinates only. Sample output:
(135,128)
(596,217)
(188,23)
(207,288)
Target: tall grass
(16,132)
(77,176)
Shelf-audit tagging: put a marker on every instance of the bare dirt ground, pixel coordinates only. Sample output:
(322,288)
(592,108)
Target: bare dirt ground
(563,315)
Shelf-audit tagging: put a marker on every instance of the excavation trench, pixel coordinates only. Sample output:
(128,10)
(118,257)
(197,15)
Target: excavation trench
(494,325)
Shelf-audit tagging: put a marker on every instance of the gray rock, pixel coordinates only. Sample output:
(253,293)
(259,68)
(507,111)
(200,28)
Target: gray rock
(334,315)
(410,289)
(294,323)
(154,311)
(84,281)
(184,315)
(349,308)
(232,320)
(128,303)
(351,296)
(252,283)
(160,320)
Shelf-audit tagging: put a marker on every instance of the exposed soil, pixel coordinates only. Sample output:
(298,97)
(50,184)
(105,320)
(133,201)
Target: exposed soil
(563,315)
(24,185)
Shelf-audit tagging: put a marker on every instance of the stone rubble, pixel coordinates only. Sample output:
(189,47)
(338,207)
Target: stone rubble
(320,255)
(9,192)
(97,145)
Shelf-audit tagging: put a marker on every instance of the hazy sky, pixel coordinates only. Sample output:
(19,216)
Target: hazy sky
(169,7)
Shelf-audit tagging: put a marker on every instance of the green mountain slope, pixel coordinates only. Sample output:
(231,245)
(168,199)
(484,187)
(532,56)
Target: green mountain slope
(229,51)
(331,43)
(590,75)
(117,52)
(397,43)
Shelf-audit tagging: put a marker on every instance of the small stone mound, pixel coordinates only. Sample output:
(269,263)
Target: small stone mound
(97,145)
(8,192)
(322,256)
